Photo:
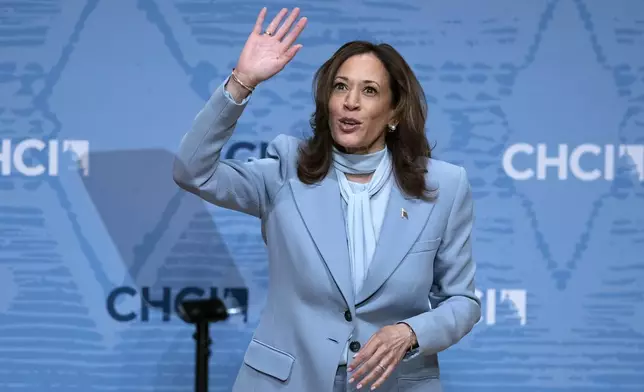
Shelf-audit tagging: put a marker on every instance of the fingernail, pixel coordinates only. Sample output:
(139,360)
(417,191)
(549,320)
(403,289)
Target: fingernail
(351,380)
(359,386)
(349,369)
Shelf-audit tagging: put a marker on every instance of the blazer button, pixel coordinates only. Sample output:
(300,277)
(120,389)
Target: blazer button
(354,346)
(347,315)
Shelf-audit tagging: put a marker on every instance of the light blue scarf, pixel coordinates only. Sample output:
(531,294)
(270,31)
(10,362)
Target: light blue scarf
(360,228)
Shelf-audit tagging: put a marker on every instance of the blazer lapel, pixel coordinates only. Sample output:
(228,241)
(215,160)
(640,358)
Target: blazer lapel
(404,219)
(320,206)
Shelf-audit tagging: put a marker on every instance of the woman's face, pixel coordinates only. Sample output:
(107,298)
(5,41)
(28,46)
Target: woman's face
(360,104)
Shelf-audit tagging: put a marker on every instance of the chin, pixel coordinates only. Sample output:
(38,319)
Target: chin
(349,141)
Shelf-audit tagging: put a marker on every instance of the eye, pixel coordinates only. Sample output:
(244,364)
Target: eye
(370,90)
(339,86)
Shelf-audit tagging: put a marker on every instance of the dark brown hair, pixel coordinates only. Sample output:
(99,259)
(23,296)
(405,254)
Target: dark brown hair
(408,144)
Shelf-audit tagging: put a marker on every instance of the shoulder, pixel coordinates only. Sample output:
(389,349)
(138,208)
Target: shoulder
(285,144)
(448,174)
(448,178)
(285,148)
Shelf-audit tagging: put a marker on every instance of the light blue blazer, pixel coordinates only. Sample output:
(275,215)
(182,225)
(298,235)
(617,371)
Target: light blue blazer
(422,272)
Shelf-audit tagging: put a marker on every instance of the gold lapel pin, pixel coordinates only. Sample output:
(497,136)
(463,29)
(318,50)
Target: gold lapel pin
(403,214)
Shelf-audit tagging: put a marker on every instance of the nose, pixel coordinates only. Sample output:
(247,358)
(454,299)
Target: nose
(352,100)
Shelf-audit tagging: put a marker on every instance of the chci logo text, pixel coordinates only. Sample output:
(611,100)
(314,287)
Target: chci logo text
(125,304)
(35,157)
(586,162)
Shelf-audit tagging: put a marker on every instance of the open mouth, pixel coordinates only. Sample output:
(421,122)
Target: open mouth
(349,124)
(350,121)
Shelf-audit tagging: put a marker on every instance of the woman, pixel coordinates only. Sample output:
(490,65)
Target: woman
(357,235)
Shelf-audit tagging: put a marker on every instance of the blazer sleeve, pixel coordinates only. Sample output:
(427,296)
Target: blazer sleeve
(245,186)
(455,307)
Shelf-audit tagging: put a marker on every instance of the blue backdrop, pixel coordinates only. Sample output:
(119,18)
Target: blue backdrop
(542,102)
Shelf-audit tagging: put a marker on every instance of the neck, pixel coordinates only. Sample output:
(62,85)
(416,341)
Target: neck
(359,178)
(357,154)
(358,167)
(374,146)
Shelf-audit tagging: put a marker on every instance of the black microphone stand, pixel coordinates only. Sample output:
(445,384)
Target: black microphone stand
(202,358)
(202,312)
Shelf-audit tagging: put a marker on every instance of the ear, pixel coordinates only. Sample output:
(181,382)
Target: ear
(393,120)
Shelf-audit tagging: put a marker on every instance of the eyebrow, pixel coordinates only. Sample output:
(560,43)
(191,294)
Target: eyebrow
(365,81)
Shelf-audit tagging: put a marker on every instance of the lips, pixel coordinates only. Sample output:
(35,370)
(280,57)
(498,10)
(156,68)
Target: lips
(348,124)
(350,121)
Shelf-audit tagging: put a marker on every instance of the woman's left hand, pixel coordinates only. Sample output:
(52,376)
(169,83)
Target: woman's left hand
(381,354)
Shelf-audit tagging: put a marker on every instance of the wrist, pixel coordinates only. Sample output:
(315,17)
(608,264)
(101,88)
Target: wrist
(244,79)
(412,339)
(237,88)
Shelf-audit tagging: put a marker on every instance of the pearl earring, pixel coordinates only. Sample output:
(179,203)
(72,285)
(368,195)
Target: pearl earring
(391,127)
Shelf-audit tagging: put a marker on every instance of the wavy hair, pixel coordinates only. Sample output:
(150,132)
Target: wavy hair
(408,144)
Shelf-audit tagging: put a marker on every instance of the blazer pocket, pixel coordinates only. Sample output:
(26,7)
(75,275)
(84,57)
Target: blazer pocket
(425,246)
(269,360)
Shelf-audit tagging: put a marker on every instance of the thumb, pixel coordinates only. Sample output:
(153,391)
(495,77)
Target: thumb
(292,51)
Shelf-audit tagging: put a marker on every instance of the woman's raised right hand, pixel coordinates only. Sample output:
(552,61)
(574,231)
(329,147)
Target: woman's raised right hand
(267,52)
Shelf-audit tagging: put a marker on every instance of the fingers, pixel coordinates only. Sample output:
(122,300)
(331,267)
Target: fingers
(376,367)
(366,352)
(377,359)
(260,21)
(366,362)
(287,24)
(290,53)
(276,21)
(281,34)
(293,34)
(383,375)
